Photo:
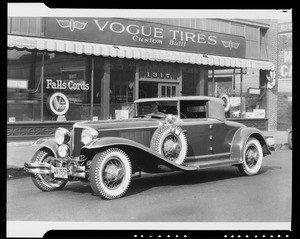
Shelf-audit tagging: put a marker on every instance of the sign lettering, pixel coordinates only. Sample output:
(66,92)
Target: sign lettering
(145,34)
(285,55)
(67,85)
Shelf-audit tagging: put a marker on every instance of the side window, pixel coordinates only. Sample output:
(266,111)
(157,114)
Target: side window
(193,109)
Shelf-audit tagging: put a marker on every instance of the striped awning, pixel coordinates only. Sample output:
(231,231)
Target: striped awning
(133,52)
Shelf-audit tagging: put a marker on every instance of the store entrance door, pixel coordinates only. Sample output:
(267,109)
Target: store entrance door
(156,89)
(167,90)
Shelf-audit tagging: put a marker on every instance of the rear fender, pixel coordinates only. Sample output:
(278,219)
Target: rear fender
(142,156)
(241,137)
(48,143)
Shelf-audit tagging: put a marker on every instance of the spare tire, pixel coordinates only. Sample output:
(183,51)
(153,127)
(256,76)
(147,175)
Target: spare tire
(226,100)
(170,141)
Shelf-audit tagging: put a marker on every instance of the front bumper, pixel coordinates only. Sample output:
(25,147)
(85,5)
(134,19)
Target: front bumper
(73,170)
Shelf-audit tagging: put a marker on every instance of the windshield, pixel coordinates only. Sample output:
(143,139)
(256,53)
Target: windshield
(157,107)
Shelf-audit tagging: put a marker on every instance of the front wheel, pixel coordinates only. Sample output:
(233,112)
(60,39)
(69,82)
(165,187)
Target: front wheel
(252,158)
(46,182)
(110,173)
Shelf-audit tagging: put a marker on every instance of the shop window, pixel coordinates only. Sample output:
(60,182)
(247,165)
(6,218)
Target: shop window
(263,44)
(70,75)
(190,81)
(122,73)
(23,85)
(248,102)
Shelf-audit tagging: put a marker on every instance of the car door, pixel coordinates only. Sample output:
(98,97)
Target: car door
(218,136)
(197,129)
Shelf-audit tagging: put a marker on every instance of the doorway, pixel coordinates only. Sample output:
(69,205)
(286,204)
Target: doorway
(149,89)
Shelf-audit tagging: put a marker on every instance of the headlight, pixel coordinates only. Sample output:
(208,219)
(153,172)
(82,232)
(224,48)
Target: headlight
(88,135)
(63,150)
(62,136)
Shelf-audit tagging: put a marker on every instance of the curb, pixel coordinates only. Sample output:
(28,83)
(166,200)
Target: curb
(21,143)
(15,173)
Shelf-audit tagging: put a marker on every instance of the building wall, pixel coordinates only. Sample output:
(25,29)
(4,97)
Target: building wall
(284,100)
(255,47)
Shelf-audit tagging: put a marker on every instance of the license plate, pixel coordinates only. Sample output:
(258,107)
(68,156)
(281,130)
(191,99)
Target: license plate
(60,172)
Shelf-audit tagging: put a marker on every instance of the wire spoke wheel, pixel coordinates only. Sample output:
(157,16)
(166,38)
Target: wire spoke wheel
(170,141)
(110,173)
(171,147)
(252,157)
(113,173)
(46,182)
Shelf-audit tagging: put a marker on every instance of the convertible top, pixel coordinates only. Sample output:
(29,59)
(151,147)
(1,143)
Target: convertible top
(215,105)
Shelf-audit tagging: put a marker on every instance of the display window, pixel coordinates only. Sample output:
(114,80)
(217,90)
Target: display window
(70,75)
(44,85)
(244,95)
(190,80)
(122,77)
(23,85)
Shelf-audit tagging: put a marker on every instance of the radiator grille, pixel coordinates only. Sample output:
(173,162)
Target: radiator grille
(77,144)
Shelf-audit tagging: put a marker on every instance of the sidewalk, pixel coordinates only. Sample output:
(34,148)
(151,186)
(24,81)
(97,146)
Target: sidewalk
(20,152)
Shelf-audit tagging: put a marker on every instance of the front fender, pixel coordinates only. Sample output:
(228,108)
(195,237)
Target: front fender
(239,141)
(139,153)
(47,142)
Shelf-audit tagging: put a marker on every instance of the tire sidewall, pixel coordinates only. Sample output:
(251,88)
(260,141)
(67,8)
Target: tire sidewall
(98,165)
(254,170)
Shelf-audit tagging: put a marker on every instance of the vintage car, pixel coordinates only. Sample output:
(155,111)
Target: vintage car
(185,133)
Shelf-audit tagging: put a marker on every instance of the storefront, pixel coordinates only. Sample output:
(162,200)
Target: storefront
(94,68)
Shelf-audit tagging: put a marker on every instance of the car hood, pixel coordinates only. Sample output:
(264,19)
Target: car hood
(126,123)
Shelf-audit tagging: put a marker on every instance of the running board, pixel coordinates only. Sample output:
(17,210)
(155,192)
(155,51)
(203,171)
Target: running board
(209,163)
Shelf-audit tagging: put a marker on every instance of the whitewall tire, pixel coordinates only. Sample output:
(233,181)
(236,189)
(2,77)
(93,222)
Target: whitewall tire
(110,173)
(252,157)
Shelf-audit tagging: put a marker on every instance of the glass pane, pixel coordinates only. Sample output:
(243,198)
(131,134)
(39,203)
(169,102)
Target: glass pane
(70,75)
(163,91)
(173,90)
(23,85)
(168,91)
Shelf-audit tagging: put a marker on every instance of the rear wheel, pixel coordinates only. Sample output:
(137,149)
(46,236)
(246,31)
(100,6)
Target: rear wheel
(110,173)
(252,158)
(46,182)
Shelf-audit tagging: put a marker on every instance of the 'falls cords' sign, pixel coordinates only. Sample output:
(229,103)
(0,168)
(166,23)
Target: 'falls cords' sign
(144,34)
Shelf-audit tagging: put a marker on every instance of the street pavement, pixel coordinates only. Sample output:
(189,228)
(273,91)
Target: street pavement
(216,195)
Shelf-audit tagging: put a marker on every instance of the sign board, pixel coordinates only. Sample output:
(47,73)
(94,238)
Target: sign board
(122,114)
(259,113)
(58,103)
(254,91)
(285,55)
(127,32)
(11,119)
(17,84)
